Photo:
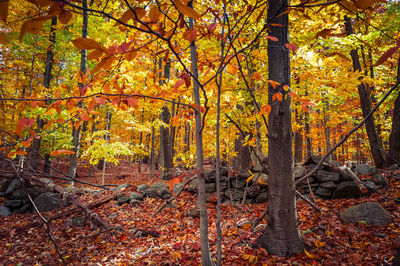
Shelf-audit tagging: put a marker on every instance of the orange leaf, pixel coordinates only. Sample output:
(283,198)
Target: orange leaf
(130,55)
(274,83)
(133,102)
(292,47)
(257,76)
(86,44)
(154,14)
(62,151)
(123,237)
(3,37)
(175,180)
(179,83)
(386,55)
(272,38)
(4,9)
(277,96)
(266,108)
(95,55)
(190,35)
(65,17)
(185,10)
(31,26)
(20,152)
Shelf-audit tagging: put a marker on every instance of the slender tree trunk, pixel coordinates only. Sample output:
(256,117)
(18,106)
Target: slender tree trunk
(307,129)
(205,249)
(394,140)
(152,155)
(374,143)
(76,132)
(282,236)
(298,141)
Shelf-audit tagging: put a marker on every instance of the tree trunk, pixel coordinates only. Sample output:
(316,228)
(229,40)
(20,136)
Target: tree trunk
(394,140)
(282,236)
(76,132)
(205,249)
(152,152)
(298,141)
(374,143)
(307,129)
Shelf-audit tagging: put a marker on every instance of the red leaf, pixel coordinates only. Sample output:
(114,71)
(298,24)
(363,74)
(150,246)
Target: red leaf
(292,47)
(272,38)
(387,55)
(179,83)
(132,102)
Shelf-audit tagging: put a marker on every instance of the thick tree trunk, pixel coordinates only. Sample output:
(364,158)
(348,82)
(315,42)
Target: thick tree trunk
(394,140)
(365,99)
(204,243)
(282,236)
(76,132)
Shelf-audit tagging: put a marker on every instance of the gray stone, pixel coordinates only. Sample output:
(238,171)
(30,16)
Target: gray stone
(47,201)
(223,186)
(33,192)
(160,186)
(122,187)
(4,184)
(135,196)
(210,174)
(47,181)
(113,215)
(2,194)
(244,173)
(122,195)
(78,221)
(370,185)
(347,190)
(123,200)
(224,171)
(253,190)
(324,176)
(210,187)
(143,187)
(150,192)
(261,179)
(193,186)
(257,168)
(177,188)
(237,194)
(13,186)
(134,202)
(329,185)
(24,209)
(194,213)
(380,180)
(13,204)
(164,194)
(262,197)
(323,192)
(4,211)
(299,171)
(394,167)
(304,182)
(370,212)
(238,183)
(365,169)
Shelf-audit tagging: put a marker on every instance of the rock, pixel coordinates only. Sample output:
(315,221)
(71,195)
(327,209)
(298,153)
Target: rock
(194,213)
(304,182)
(313,160)
(299,171)
(347,190)
(2,194)
(122,187)
(324,192)
(123,200)
(257,168)
(24,209)
(365,169)
(134,202)
(380,180)
(223,186)
(33,192)
(244,173)
(164,194)
(253,190)
(13,204)
(122,195)
(113,215)
(177,188)
(47,201)
(394,167)
(150,192)
(143,187)
(78,221)
(4,184)
(261,179)
(210,187)
(324,176)
(47,181)
(224,171)
(4,211)
(160,186)
(238,183)
(370,186)
(193,186)
(210,174)
(329,185)
(13,186)
(237,194)
(136,196)
(370,212)
(262,197)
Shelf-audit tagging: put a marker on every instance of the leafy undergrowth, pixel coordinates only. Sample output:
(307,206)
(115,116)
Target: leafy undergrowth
(331,241)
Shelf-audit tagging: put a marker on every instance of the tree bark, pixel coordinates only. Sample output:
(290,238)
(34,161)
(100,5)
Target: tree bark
(394,140)
(365,99)
(282,236)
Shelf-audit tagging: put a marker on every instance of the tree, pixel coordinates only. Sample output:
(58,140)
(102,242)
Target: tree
(282,237)
(394,140)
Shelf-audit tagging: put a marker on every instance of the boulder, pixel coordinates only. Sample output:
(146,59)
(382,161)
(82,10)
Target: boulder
(244,173)
(134,202)
(210,187)
(394,167)
(347,190)
(304,182)
(177,188)
(4,211)
(164,194)
(253,190)
(150,192)
(370,185)
(380,180)
(299,171)
(13,186)
(329,185)
(122,187)
(4,184)
(193,186)
(237,194)
(238,183)
(20,193)
(24,209)
(143,187)
(323,192)
(262,197)
(135,196)
(370,212)
(194,213)
(365,169)
(79,221)
(223,186)
(47,201)
(325,176)
(122,200)
(159,187)
(13,204)
(261,178)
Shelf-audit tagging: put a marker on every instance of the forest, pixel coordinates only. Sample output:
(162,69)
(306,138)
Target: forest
(214,132)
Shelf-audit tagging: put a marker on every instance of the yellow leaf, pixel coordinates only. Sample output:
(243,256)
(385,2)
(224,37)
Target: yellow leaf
(86,44)
(319,244)
(185,10)
(310,255)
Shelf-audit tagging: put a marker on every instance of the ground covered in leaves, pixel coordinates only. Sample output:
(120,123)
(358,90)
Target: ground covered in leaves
(331,241)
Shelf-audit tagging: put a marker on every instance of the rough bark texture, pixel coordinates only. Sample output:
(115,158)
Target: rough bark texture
(365,99)
(282,236)
(394,140)
(298,142)
(165,144)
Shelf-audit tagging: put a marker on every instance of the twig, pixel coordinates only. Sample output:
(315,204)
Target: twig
(308,201)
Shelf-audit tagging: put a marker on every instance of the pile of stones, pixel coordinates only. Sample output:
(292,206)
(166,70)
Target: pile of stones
(157,190)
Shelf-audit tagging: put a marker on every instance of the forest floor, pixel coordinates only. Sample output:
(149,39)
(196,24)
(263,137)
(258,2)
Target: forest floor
(331,241)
